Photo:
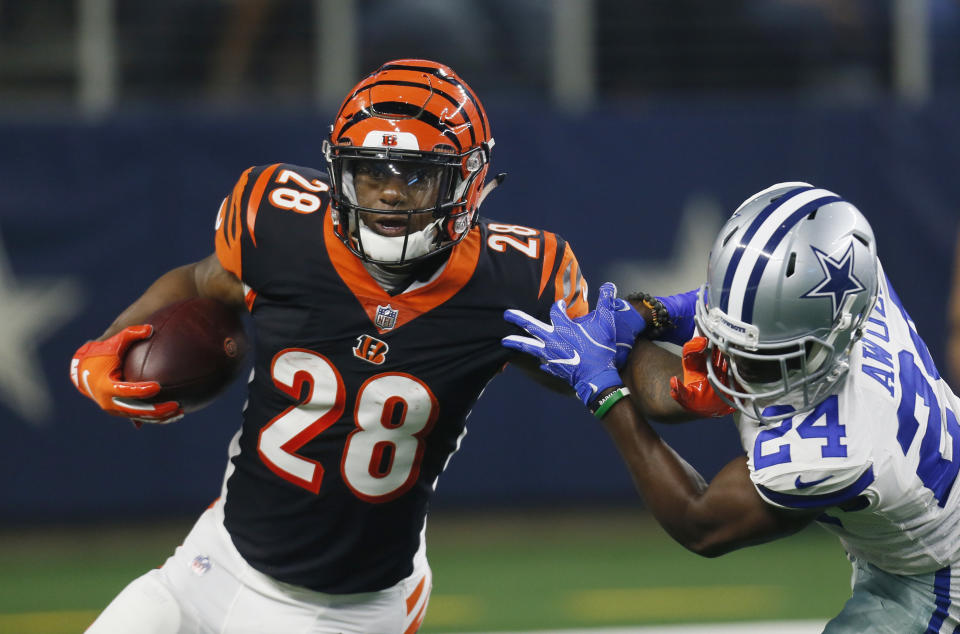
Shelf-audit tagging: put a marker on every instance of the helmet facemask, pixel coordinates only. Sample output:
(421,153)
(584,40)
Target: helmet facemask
(799,373)
(432,215)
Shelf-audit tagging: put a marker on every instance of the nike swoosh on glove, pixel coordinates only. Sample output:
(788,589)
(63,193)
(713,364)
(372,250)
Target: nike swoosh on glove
(579,351)
(96,370)
(695,393)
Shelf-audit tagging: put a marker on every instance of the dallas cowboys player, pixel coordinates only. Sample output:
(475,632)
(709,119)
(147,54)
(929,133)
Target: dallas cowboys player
(842,414)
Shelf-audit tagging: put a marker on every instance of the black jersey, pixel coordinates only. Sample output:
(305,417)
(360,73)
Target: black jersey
(358,398)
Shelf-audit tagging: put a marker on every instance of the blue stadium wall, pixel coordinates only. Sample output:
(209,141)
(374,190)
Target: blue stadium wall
(91,213)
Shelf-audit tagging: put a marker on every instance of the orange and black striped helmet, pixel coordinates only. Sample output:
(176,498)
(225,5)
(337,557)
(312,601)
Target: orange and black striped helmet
(415,120)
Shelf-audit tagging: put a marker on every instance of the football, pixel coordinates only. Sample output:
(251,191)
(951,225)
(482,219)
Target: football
(196,350)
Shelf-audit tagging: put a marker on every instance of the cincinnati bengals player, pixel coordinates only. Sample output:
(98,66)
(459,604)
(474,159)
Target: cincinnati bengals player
(375,291)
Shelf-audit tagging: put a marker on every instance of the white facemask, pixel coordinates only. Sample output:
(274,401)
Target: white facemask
(390,249)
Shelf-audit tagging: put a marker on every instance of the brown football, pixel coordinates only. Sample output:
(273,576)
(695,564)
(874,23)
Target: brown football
(196,350)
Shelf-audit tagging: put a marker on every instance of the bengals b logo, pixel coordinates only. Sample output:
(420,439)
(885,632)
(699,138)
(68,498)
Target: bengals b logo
(371,349)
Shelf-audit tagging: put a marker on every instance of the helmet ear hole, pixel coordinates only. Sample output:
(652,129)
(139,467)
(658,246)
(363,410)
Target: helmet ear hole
(726,239)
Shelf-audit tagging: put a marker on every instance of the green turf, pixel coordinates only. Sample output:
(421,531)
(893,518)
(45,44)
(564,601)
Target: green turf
(491,572)
(598,570)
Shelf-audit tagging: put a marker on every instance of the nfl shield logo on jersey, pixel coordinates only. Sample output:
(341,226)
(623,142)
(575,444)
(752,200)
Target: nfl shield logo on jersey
(200,565)
(386,317)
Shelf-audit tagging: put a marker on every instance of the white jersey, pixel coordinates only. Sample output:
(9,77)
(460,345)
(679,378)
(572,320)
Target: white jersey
(881,455)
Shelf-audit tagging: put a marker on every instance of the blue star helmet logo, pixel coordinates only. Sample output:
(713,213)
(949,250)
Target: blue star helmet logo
(839,280)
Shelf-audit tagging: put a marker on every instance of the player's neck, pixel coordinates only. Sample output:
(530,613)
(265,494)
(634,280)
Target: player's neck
(396,279)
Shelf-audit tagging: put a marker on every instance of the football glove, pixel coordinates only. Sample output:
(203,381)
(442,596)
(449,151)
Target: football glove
(681,308)
(629,324)
(579,351)
(96,370)
(695,393)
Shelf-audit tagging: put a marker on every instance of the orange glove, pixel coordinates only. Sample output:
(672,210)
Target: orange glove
(695,393)
(96,370)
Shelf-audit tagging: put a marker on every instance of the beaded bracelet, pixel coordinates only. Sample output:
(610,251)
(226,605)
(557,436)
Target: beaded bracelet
(659,315)
(604,404)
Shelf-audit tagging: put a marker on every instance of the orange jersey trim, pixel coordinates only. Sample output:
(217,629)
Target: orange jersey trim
(229,228)
(249,299)
(253,205)
(549,255)
(458,271)
(570,285)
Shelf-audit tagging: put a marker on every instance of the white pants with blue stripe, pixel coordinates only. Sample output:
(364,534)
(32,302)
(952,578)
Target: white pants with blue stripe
(883,602)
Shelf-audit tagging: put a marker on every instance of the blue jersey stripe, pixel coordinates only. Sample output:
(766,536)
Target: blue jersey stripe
(747,236)
(941,589)
(822,500)
(771,246)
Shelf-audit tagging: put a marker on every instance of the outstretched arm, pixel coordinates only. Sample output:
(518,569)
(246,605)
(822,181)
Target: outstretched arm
(709,519)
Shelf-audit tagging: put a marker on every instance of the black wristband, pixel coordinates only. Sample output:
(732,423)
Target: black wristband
(659,315)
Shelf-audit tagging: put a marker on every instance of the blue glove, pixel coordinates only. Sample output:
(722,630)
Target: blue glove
(629,324)
(681,308)
(579,351)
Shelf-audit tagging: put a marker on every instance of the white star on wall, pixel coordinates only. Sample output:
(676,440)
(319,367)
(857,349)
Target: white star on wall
(29,313)
(686,269)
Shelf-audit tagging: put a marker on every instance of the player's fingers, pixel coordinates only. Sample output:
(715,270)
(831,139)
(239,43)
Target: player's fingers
(528,345)
(677,391)
(558,314)
(607,295)
(132,334)
(140,331)
(159,420)
(138,409)
(129,336)
(529,323)
(139,389)
(695,345)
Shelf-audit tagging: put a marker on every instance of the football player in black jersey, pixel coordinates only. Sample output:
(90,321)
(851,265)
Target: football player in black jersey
(375,291)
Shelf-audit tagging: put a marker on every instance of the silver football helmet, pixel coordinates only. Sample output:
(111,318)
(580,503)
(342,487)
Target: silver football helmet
(791,280)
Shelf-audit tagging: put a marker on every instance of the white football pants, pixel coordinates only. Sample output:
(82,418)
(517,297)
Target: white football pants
(206,587)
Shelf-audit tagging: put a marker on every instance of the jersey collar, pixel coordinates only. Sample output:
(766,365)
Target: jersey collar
(412,303)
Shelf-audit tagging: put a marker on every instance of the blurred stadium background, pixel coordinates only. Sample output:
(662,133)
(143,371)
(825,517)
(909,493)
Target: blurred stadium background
(629,127)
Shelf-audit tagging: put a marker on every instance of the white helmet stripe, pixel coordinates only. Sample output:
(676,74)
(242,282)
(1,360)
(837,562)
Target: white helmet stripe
(754,248)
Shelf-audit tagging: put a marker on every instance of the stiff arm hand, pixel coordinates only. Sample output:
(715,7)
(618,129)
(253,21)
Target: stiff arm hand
(580,351)
(96,370)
